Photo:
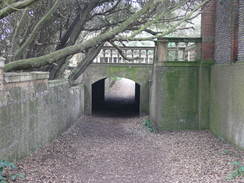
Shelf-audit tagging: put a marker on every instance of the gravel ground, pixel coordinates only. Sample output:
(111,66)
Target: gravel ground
(121,150)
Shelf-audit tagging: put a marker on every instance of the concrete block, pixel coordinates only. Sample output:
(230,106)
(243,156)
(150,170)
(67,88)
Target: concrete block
(15,77)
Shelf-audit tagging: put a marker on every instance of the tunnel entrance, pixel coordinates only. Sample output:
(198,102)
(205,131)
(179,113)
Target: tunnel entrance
(115,97)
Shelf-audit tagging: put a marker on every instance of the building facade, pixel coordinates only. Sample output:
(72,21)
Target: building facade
(223,31)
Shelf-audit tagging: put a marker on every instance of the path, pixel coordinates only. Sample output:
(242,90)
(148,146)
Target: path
(121,150)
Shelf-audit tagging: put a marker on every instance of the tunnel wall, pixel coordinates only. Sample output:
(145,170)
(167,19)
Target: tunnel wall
(180,96)
(137,96)
(141,74)
(98,97)
(34,111)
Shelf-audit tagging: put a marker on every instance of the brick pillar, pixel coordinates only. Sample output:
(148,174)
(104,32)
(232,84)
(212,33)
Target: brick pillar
(241,31)
(235,30)
(208,30)
(226,35)
(2,60)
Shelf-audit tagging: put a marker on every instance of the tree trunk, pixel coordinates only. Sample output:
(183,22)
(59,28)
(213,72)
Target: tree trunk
(69,39)
(90,56)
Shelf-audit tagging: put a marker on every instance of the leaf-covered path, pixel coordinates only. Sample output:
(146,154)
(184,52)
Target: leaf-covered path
(121,150)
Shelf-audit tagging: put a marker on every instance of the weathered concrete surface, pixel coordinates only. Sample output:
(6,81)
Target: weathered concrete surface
(227,102)
(140,73)
(180,96)
(34,111)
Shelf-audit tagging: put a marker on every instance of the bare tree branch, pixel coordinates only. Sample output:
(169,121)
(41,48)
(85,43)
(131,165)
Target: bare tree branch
(37,62)
(15,7)
(31,37)
(91,55)
(121,52)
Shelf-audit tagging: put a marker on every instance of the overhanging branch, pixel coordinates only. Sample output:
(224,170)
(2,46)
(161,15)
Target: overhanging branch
(53,57)
(15,7)
(120,51)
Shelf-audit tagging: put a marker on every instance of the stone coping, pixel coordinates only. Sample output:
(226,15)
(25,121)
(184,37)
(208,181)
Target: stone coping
(184,64)
(166,64)
(238,63)
(58,82)
(180,39)
(14,77)
(122,64)
(78,86)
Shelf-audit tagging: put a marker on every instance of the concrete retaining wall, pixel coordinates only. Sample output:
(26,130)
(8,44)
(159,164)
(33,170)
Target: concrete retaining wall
(227,102)
(180,96)
(34,111)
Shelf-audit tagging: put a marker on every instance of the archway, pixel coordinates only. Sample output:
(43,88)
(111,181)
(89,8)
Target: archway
(115,96)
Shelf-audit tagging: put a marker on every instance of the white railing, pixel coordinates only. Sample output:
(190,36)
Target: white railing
(179,49)
(168,49)
(133,55)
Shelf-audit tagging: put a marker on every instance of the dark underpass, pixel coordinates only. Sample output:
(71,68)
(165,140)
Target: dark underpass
(115,97)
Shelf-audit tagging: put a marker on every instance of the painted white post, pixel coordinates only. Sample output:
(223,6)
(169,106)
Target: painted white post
(162,50)
(198,51)
(2,61)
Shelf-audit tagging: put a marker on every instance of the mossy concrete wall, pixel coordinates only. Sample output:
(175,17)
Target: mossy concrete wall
(180,96)
(227,102)
(140,73)
(34,111)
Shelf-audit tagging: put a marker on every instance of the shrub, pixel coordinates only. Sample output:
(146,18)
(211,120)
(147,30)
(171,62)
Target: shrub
(5,177)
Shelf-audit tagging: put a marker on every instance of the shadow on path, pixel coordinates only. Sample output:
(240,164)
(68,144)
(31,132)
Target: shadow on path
(117,107)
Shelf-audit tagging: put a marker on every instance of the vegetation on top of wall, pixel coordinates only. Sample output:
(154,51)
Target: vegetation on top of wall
(237,172)
(187,63)
(5,177)
(136,73)
(148,124)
